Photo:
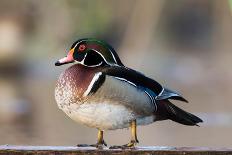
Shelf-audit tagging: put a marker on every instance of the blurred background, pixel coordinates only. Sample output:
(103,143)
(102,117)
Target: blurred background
(184,44)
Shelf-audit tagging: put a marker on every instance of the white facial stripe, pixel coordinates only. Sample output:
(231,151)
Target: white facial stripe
(101,56)
(79,43)
(113,56)
(88,66)
(95,78)
(105,59)
(83,62)
(93,65)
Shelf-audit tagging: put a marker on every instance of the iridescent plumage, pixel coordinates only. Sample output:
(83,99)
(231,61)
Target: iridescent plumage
(100,92)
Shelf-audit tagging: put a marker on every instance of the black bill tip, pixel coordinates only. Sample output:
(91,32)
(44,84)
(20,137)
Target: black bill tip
(58,63)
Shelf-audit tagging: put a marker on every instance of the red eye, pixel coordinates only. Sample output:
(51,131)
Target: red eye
(82,47)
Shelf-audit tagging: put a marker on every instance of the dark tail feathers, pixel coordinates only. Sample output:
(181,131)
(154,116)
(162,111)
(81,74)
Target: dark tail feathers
(178,115)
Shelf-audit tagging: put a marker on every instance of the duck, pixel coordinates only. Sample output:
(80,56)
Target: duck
(100,92)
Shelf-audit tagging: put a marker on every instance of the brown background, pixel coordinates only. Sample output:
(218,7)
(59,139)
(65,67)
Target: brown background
(185,45)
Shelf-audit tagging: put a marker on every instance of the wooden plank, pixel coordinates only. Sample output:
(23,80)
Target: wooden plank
(151,150)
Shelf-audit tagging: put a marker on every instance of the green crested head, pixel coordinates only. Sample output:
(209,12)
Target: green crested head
(91,52)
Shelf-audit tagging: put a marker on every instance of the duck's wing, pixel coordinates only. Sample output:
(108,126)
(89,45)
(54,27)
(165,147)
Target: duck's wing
(170,94)
(153,87)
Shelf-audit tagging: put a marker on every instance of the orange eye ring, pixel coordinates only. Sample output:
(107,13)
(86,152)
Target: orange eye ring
(82,47)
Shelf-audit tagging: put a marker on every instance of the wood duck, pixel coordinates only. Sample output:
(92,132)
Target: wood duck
(100,92)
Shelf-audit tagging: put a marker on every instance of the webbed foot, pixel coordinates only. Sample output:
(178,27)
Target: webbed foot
(130,145)
(97,145)
(100,142)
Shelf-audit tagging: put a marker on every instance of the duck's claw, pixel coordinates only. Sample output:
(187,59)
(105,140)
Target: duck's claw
(83,145)
(130,145)
(98,145)
(100,142)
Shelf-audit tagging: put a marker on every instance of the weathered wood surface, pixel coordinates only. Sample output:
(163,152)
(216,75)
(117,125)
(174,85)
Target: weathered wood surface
(152,150)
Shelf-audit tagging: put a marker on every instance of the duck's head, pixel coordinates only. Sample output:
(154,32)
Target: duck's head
(91,52)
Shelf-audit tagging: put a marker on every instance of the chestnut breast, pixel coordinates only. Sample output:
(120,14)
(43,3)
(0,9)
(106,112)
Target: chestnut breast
(72,84)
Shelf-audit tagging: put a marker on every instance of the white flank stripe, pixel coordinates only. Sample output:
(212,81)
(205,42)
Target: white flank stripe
(113,55)
(95,78)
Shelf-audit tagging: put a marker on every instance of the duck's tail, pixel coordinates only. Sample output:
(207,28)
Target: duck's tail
(167,110)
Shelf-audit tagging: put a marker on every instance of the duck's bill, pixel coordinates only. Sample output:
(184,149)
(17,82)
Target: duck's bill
(65,60)
(58,63)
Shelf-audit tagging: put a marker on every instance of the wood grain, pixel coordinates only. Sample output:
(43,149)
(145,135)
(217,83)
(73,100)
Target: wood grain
(152,150)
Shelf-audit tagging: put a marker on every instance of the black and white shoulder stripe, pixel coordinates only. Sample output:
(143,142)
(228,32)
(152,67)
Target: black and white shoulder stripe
(95,84)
